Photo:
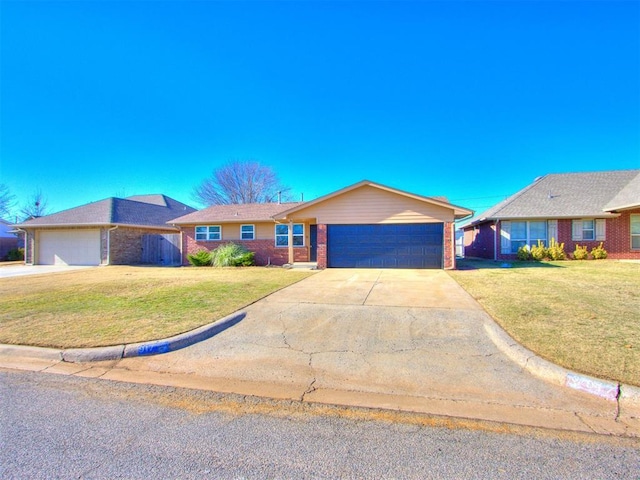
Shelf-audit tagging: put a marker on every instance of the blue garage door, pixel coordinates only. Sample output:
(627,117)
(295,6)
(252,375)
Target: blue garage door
(385,246)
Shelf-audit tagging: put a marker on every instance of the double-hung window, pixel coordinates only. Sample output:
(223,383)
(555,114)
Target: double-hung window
(208,232)
(588,229)
(247,232)
(635,232)
(282,235)
(518,234)
(537,232)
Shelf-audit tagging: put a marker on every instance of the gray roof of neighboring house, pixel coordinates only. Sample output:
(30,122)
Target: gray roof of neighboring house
(629,197)
(139,210)
(243,212)
(566,195)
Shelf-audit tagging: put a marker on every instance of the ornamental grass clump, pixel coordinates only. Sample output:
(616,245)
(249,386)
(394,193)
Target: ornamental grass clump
(556,250)
(580,253)
(539,252)
(599,253)
(524,254)
(202,258)
(232,255)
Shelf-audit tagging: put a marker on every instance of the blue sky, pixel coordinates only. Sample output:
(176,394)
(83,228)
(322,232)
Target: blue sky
(470,99)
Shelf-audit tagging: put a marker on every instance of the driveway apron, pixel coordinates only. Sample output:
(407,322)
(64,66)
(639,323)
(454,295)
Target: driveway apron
(406,339)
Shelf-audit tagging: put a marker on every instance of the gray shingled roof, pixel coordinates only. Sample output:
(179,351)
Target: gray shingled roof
(629,197)
(141,210)
(564,195)
(244,212)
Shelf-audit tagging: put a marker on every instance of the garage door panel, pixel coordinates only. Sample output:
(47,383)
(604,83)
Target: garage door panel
(385,246)
(69,247)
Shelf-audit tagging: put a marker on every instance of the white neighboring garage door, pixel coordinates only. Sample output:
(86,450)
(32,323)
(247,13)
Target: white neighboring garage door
(69,247)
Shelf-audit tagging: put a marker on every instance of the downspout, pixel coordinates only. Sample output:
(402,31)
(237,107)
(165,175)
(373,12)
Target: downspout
(453,245)
(26,245)
(290,232)
(109,244)
(495,241)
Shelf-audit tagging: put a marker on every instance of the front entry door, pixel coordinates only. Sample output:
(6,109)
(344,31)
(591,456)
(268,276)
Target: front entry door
(313,239)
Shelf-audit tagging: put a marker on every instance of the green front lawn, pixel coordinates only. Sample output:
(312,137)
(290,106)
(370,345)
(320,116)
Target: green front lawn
(583,315)
(115,305)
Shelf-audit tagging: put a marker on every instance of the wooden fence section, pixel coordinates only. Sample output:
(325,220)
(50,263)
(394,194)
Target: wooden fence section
(161,249)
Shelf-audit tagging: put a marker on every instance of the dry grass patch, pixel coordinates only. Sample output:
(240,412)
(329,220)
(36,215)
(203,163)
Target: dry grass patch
(584,316)
(115,305)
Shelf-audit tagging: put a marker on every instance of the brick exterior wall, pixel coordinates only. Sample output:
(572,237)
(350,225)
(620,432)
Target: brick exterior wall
(617,242)
(29,245)
(6,244)
(449,246)
(126,244)
(321,244)
(265,249)
(479,241)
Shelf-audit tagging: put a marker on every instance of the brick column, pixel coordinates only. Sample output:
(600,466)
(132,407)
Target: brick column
(449,246)
(321,243)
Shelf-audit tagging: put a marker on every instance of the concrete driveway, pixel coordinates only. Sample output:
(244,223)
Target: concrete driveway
(22,270)
(407,339)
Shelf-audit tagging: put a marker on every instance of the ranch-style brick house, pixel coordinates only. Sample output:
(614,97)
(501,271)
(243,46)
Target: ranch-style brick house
(573,208)
(113,231)
(365,225)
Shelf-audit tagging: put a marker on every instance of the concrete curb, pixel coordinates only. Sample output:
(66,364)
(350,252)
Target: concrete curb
(116,352)
(183,340)
(39,353)
(627,396)
(629,401)
(97,354)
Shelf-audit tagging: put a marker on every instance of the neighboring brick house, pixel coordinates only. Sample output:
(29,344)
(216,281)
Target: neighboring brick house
(366,225)
(573,208)
(8,239)
(107,232)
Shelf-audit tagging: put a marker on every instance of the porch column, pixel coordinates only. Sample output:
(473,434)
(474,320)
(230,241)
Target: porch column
(290,232)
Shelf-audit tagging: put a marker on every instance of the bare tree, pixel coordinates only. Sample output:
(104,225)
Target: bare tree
(6,201)
(36,206)
(241,182)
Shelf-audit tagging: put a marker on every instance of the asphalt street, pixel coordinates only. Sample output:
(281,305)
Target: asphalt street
(68,427)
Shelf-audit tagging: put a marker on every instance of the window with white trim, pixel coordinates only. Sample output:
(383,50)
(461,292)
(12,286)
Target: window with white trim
(208,232)
(588,229)
(247,232)
(635,232)
(527,233)
(282,235)
(518,235)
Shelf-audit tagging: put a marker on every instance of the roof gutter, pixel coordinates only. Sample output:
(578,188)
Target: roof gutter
(623,207)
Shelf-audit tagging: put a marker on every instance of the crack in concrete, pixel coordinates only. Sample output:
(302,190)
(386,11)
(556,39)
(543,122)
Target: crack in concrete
(311,388)
(584,422)
(372,287)
(618,395)
(413,320)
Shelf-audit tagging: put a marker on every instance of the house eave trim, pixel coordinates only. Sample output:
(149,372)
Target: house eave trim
(96,225)
(457,210)
(631,206)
